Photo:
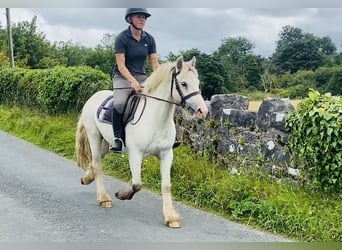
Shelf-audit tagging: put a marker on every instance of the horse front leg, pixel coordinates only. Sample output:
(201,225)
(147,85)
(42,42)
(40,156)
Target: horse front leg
(172,218)
(135,160)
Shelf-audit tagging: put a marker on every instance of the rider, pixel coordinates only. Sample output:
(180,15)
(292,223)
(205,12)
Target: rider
(132,47)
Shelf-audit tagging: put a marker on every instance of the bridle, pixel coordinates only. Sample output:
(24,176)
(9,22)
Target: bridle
(174,82)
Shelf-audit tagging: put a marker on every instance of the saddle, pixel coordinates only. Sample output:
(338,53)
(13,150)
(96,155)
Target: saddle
(105,110)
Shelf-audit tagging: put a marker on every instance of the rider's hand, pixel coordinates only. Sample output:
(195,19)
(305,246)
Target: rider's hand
(136,86)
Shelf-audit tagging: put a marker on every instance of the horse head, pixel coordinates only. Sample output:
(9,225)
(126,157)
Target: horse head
(185,87)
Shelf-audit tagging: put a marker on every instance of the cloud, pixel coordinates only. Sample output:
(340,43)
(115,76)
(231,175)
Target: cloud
(178,29)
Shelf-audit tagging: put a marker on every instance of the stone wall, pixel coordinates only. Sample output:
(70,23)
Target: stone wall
(255,138)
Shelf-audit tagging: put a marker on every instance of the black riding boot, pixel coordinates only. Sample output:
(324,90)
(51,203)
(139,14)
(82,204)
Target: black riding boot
(117,144)
(176,144)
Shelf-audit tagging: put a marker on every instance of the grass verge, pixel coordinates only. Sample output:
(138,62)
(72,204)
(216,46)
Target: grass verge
(259,202)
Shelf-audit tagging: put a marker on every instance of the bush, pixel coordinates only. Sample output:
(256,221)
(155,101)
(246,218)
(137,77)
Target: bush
(66,89)
(9,80)
(328,79)
(334,83)
(58,90)
(298,91)
(316,140)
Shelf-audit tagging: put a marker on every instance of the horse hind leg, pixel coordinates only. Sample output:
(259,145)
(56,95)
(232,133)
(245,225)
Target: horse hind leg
(103,197)
(88,177)
(96,141)
(83,153)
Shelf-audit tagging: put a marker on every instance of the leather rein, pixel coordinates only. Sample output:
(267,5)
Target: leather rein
(175,82)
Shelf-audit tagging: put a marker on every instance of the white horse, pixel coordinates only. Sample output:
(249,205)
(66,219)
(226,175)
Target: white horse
(151,132)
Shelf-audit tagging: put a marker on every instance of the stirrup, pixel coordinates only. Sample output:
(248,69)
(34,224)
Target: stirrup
(176,144)
(116,146)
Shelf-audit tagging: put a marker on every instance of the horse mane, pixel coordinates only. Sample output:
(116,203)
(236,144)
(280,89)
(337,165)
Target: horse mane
(164,73)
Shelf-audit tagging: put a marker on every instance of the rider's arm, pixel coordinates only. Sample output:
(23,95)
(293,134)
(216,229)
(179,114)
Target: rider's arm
(154,61)
(120,62)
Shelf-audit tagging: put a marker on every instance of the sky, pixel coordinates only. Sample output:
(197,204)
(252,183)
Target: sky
(176,29)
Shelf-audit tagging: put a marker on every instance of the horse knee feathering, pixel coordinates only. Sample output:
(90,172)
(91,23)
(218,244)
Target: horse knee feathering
(150,132)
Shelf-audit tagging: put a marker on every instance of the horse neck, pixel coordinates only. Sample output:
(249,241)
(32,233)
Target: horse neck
(161,109)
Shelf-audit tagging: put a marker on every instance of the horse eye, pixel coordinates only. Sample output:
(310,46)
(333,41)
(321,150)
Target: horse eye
(184,84)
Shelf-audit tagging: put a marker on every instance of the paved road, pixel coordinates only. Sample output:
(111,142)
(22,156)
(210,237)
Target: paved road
(42,200)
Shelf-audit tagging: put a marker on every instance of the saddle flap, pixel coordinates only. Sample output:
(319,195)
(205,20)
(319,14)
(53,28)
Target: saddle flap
(105,110)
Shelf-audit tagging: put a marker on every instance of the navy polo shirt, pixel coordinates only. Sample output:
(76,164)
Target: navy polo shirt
(135,51)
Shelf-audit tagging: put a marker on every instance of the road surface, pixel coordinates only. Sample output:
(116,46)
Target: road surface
(42,200)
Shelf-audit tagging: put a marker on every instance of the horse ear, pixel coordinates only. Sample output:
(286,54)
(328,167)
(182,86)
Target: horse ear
(179,63)
(193,61)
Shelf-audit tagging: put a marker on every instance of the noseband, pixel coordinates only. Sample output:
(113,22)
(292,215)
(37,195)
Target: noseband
(174,81)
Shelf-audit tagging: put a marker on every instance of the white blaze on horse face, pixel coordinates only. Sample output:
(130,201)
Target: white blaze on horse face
(195,102)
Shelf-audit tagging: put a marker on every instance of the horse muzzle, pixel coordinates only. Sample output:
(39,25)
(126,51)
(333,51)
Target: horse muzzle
(202,112)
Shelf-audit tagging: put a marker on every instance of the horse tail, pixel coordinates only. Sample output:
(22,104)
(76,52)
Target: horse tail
(82,146)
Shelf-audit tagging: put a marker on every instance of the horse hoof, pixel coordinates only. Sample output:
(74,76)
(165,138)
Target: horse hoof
(86,180)
(106,204)
(124,195)
(173,224)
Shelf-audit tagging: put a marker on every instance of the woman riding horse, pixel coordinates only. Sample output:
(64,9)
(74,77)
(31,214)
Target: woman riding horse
(150,132)
(132,47)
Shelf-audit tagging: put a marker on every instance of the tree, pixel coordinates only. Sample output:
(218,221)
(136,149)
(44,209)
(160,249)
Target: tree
(254,71)
(213,76)
(297,50)
(289,35)
(4,60)
(244,69)
(71,54)
(235,49)
(211,71)
(103,55)
(3,40)
(30,46)
(337,58)
(326,45)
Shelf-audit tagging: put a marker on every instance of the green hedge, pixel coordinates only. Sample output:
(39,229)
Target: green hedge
(324,79)
(51,91)
(316,140)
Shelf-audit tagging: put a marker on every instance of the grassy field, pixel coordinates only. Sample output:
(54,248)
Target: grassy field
(279,208)
(254,105)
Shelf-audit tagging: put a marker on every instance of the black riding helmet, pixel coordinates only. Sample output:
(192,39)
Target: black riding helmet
(131,11)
